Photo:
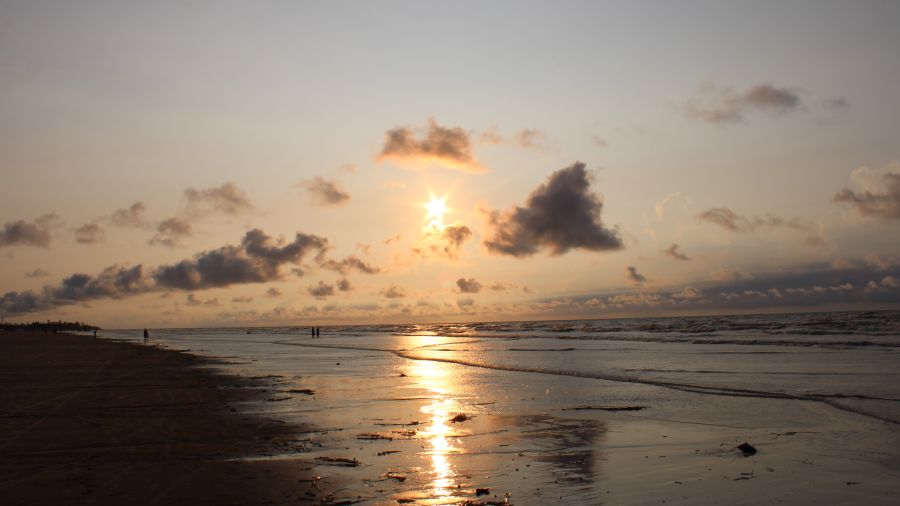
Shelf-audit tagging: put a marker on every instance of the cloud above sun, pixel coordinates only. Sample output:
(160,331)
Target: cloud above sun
(433,144)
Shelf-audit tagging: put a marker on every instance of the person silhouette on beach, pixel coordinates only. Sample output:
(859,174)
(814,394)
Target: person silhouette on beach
(146,335)
(312,331)
(317,331)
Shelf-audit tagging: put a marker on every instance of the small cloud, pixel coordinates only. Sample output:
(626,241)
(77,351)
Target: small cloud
(688,293)
(192,300)
(37,273)
(352,262)
(836,103)
(531,138)
(324,192)
(446,147)
(559,215)
(242,300)
(465,303)
(171,232)
(879,192)
(600,142)
(132,216)
(23,233)
(490,136)
(89,233)
(672,251)
(729,275)
(273,292)
(228,199)
(723,105)
(321,290)
(393,292)
(344,285)
(470,285)
(633,276)
(729,220)
(499,287)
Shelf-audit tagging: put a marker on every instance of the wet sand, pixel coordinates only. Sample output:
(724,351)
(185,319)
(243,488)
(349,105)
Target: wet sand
(91,421)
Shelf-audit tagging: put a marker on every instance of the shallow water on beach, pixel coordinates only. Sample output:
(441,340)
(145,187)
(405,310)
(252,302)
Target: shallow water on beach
(562,411)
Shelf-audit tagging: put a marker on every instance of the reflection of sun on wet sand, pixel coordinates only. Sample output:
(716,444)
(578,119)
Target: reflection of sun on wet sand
(436,379)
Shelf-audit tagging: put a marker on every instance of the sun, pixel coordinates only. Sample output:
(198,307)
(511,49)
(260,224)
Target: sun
(436,208)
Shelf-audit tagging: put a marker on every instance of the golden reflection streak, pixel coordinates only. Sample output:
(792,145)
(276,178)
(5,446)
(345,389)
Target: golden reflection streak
(436,377)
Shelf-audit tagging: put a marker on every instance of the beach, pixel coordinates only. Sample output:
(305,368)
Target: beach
(798,409)
(93,421)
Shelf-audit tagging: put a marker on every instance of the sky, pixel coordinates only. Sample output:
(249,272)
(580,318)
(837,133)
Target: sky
(172,164)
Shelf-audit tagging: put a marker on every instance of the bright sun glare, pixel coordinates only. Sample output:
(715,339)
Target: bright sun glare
(436,207)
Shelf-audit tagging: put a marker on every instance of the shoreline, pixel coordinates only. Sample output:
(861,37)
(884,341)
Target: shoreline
(85,420)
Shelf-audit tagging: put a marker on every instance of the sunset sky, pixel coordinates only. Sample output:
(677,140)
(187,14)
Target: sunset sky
(294,163)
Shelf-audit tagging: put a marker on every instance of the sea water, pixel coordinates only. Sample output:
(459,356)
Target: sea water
(437,413)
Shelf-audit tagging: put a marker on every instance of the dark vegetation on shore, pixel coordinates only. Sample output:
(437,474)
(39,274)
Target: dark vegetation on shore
(49,326)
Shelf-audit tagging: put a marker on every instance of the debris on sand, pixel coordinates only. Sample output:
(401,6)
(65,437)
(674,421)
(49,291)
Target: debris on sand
(395,476)
(461,417)
(404,434)
(387,452)
(278,399)
(339,461)
(402,375)
(606,408)
(482,491)
(747,449)
(373,436)
(307,391)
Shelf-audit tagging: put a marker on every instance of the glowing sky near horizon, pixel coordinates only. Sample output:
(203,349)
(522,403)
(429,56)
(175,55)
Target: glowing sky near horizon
(463,161)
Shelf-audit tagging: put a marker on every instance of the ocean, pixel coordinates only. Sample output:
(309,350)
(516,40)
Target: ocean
(581,411)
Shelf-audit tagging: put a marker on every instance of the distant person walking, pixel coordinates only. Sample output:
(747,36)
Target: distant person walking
(312,331)
(146,335)
(317,331)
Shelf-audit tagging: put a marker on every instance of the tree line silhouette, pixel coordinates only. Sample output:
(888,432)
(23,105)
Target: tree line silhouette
(49,326)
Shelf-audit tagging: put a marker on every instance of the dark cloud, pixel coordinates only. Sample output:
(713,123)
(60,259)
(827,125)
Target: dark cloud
(321,290)
(114,282)
(37,273)
(349,263)
(89,233)
(344,285)
(447,147)
(673,252)
(228,199)
(470,285)
(171,232)
(393,292)
(257,259)
(812,286)
(23,233)
(881,199)
(324,192)
(498,287)
(633,276)
(729,220)
(724,105)
(132,216)
(559,215)
(273,292)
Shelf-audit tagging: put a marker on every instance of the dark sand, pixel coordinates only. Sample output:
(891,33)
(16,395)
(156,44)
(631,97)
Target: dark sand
(91,421)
